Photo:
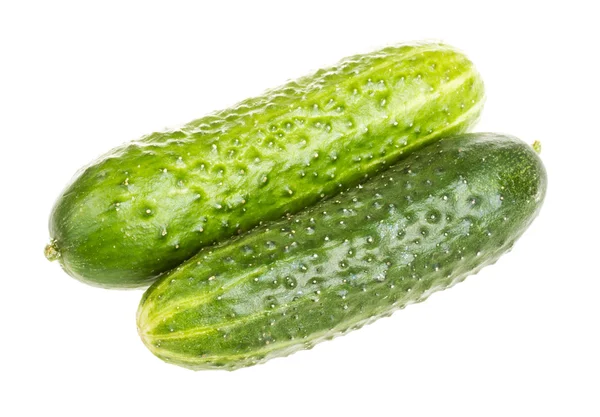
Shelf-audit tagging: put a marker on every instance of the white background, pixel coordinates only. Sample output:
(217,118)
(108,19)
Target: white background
(520,339)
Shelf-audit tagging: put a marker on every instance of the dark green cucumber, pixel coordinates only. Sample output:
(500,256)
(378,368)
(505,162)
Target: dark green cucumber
(441,214)
(147,206)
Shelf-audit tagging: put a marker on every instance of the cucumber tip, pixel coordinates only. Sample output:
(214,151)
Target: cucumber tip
(51,251)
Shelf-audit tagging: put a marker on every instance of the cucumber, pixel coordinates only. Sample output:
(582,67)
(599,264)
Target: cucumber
(147,206)
(423,225)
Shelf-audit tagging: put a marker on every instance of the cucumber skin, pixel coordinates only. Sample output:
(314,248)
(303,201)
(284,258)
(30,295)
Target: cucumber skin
(424,225)
(147,206)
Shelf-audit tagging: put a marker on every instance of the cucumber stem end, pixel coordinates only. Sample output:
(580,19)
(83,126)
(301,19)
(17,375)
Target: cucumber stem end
(51,251)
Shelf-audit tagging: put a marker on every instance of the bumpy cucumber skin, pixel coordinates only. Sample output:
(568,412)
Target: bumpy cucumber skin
(425,224)
(149,205)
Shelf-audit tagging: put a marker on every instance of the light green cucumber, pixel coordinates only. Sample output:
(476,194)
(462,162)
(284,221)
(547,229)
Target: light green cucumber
(149,205)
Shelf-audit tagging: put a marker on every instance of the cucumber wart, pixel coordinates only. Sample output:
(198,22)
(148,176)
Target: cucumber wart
(425,224)
(147,206)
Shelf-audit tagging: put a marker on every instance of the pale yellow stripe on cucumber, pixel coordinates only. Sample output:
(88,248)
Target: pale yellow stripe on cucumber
(192,302)
(474,109)
(199,331)
(356,322)
(275,346)
(183,303)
